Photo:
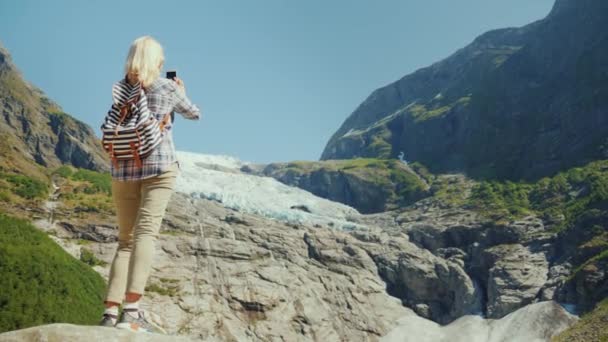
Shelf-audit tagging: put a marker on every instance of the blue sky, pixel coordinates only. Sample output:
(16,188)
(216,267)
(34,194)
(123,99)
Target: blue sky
(274,78)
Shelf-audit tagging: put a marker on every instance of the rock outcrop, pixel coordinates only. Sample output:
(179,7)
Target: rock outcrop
(369,185)
(62,332)
(221,274)
(515,278)
(537,322)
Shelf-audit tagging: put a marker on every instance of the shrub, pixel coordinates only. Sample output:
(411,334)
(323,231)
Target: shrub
(41,283)
(89,258)
(99,182)
(170,289)
(572,193)
(4,196)
(26,187)
(64,171)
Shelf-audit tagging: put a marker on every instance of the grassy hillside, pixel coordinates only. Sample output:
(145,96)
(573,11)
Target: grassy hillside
(41,283)
(569,193)
(84,191)
(592,327)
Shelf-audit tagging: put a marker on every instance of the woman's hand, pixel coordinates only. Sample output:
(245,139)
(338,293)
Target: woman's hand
(180,84)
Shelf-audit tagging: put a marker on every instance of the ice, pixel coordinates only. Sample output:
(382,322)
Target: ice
(532,323)
(218,178)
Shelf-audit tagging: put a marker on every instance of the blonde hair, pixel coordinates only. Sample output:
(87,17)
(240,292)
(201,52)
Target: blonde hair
(144,60)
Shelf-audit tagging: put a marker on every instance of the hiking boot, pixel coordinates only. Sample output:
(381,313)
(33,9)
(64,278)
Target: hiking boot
(138,324)
(108,320)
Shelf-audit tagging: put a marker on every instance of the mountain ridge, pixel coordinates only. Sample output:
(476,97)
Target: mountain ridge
(516,103)
(35,128)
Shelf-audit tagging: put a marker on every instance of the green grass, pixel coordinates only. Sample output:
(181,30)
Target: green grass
(435,109)
(447,193)
(90,259)
(592,326)
(602,255)
(26,187)
(408,187)
(401,184)
(64,171)
(576,198)
(501,199)
(422,171)
(13,86)
(41,283)
(380,146)
(99,182)
(169,280)
(5,196)
(170,289)
(85,190)
(335,165)
(571,193)
(95,182)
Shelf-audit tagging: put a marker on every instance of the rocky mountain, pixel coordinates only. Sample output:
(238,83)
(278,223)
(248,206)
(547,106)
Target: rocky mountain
(426,257)
(516,103)
(231,268)
(35,133)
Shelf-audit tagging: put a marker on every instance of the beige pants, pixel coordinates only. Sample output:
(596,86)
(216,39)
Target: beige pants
(140,207)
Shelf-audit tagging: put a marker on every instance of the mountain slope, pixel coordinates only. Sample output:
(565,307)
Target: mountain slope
(34,131)
(40,282)
(516,103)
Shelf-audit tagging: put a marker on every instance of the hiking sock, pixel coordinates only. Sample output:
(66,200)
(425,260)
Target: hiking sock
(112,312)
(131,308)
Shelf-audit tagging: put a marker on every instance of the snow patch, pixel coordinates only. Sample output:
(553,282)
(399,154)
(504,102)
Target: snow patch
(533,323)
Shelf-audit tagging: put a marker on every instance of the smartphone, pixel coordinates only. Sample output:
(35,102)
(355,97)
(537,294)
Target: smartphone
(171,74)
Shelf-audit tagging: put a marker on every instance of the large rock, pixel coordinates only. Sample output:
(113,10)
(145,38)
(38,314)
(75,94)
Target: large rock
(582,250)
(62,332)
(435,288)
(515,278)
(252,278)
(504,263)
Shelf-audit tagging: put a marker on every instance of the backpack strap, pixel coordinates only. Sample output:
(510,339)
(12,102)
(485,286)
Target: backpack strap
(135,151)
(113,155)
(162,123)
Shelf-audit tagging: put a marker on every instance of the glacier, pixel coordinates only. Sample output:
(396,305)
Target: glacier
(218,178)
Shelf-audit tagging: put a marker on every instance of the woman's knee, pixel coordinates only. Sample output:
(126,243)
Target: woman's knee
(125,244)
(148,223)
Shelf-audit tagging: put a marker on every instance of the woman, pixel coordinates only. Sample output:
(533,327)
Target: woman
(141,192)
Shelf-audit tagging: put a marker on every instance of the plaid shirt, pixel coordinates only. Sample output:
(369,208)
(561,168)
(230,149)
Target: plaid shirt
(163,96)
